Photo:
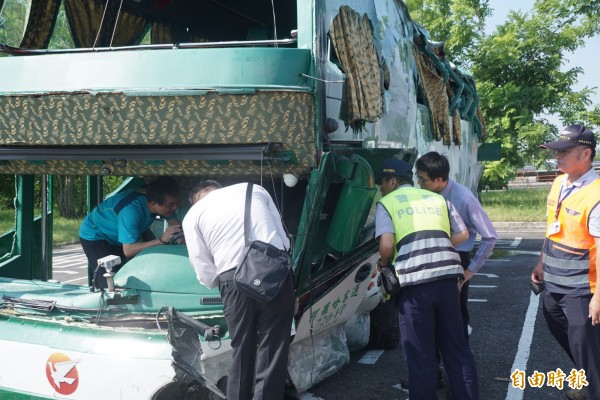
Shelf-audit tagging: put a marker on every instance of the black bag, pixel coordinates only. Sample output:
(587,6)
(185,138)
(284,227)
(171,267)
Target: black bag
(263,268)
(389,280)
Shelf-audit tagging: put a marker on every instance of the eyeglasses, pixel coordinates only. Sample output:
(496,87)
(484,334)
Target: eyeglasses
(423,180)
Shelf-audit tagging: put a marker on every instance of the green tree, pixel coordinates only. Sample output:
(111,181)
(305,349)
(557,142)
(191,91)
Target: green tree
(12,21)
(459,24)
(61,36)
(520,78)
(518,70)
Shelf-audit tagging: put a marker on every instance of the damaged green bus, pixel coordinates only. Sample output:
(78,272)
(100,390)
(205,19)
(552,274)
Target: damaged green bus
(305,98)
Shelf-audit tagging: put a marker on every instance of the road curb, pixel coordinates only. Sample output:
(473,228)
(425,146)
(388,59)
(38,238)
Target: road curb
(520,226)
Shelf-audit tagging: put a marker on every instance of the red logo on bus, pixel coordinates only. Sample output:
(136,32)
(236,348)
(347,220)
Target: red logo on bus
(62,374)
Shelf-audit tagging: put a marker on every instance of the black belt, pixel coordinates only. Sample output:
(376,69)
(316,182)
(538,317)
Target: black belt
(227,275)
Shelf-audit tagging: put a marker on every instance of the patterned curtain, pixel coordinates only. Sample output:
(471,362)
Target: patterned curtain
(167,34)
(85,16)
(352,38)
(456,132)
(479,115)
(432,83)
(161,34)
(40,23)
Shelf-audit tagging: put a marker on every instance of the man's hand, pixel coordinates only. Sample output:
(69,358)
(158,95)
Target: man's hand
(537,275)
(170,231)
(595,308)
(468,275)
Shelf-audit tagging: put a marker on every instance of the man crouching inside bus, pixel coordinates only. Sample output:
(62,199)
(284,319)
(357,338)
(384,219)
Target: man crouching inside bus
(115,226)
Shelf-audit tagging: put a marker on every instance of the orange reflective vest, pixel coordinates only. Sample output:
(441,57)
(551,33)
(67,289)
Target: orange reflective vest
(569,255)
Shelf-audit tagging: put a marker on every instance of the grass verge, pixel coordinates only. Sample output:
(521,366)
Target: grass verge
(65,230)
(516,205)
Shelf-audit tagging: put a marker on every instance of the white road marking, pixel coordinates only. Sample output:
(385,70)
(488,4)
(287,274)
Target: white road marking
(516,242)
(399,387)
(78,279)
(67,256)
(524,347)
(488,275)
(478,300)
(308,396)
(75,250)
(371,357)
(67,265)
(483,286)
(497,259)
(70,260)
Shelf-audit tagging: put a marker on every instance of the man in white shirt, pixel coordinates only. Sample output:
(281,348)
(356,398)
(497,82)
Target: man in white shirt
(260,332)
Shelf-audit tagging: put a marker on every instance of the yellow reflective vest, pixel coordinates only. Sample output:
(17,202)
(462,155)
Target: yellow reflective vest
(423,250)
(569,255)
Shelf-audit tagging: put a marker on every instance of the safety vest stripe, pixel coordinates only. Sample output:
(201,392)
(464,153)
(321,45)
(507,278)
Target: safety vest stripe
(441,250)
(575,280)
(420,235)
(582,265)
(428,244)
(450,271)
(428,260)
(422,262)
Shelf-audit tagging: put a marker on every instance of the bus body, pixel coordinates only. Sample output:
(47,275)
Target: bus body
(306,99)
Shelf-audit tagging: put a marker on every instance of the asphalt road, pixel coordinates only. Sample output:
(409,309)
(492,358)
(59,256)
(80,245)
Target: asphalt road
(508,332)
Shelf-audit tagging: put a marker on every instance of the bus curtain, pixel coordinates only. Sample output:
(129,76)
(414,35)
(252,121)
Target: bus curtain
(167,34)
(479,115)
(85,16)
(437,97)
(352,38)
(40,24)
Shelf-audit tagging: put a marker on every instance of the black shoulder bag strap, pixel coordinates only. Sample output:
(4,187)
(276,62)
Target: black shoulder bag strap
(126,200)
(247,212)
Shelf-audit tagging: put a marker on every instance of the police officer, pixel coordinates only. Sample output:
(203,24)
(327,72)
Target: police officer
(417,232)
(569,262)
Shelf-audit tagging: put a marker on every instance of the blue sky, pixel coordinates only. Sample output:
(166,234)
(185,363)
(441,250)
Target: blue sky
(587,57)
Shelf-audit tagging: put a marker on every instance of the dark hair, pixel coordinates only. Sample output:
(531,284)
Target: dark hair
(435,165)
(204,184)
(158,189)
(404,179)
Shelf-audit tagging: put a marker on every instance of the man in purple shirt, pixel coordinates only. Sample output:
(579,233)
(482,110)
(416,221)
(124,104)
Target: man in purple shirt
(432,171)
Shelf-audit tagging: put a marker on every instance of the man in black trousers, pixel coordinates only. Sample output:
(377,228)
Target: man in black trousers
(259,331)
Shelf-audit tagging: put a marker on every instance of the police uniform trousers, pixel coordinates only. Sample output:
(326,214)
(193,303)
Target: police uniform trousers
(430,321)
(567,316)
(260,338)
